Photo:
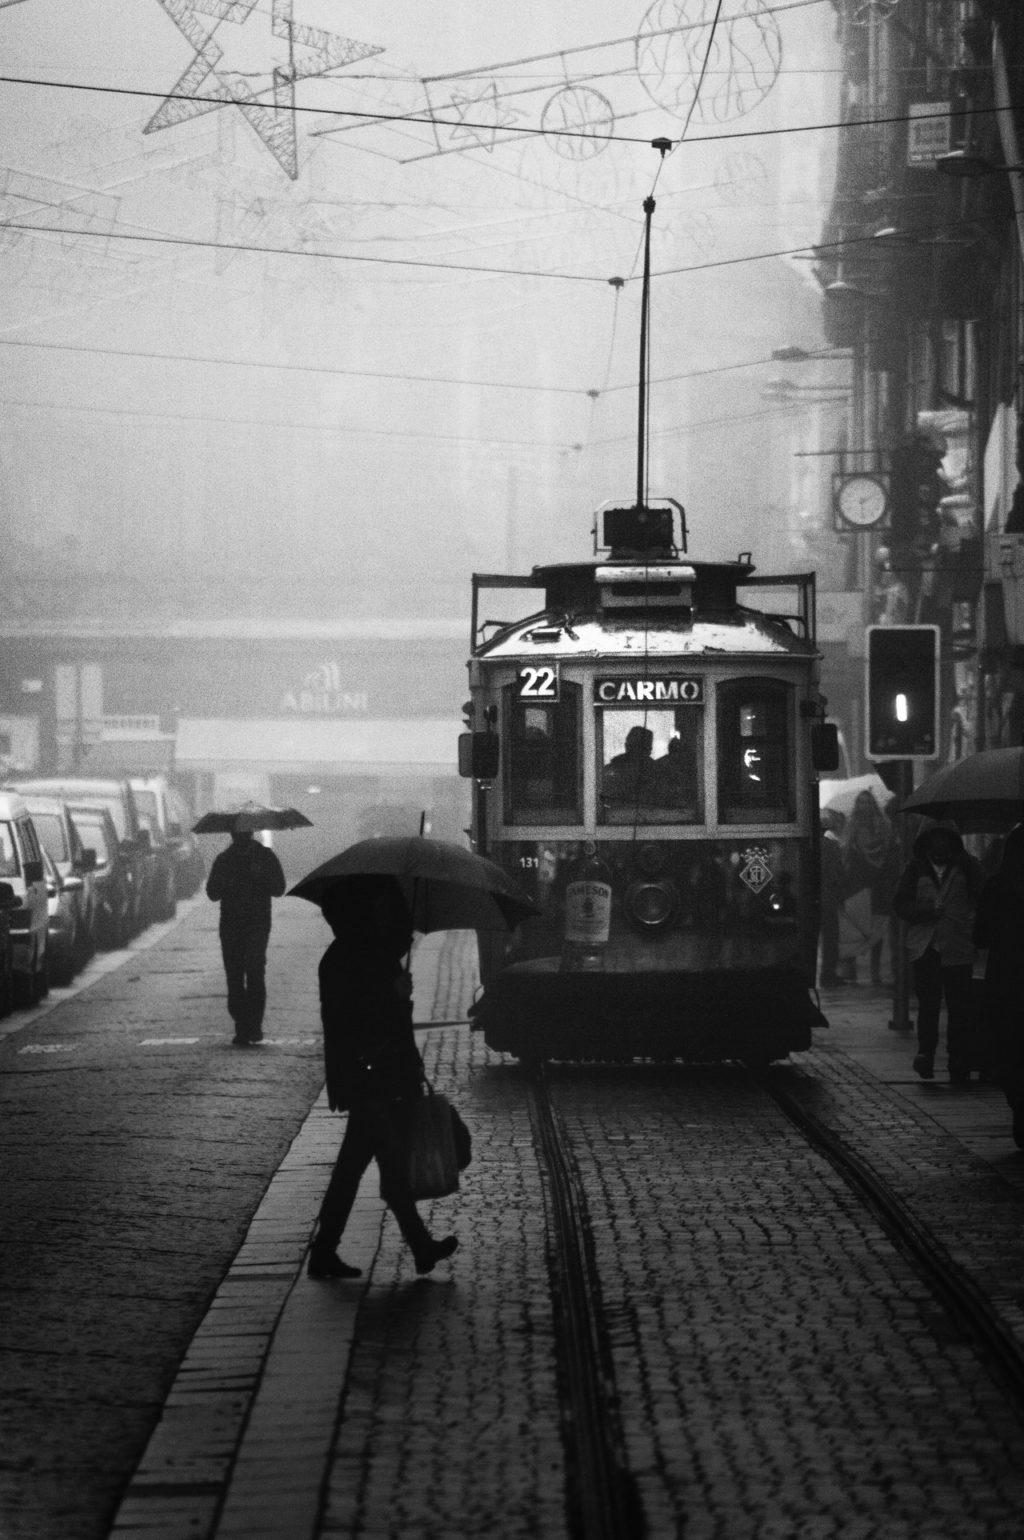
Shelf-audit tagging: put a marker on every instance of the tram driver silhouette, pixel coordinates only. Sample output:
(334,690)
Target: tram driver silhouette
(630,775)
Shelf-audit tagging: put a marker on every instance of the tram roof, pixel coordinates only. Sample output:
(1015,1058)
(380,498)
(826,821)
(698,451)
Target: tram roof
(670,607)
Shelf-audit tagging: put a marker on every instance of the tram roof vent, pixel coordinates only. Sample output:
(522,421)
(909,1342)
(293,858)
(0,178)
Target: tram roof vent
(625,586)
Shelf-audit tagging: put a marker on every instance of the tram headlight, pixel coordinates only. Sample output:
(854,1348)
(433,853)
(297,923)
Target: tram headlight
(651,904)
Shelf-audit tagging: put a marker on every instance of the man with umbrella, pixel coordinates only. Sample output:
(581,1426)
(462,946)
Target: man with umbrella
(243,880)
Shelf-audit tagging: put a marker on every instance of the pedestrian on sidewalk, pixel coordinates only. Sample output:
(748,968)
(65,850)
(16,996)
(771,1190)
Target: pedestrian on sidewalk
(872,861)
(936,896)
(373,1068)
(243,879)
(999,927)
(833,877)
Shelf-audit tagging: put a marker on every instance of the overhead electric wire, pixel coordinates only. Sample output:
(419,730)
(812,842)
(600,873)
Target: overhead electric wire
(507,130)
(251,248)
(594,394)
(268,422)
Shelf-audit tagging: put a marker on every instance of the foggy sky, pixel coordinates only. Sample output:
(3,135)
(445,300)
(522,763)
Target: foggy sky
(393,422)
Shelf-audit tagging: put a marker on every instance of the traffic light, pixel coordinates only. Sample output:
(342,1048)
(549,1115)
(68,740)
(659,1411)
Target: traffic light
(903,692)
(916,488)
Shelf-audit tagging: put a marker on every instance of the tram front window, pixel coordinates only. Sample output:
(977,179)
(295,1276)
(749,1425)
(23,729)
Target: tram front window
(755,777)
(543,784)
(649,769)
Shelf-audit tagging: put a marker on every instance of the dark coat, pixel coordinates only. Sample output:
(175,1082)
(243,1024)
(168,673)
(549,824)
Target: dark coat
(939,913)
(370,1053)
(243,879)
(999,927)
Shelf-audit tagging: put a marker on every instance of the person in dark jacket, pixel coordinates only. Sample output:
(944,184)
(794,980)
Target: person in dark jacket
(999,927)
(243,879)
(373,1067)
(936,896)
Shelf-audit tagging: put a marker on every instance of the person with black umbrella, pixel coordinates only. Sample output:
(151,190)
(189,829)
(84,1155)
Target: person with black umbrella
(243,879)
(374,1071)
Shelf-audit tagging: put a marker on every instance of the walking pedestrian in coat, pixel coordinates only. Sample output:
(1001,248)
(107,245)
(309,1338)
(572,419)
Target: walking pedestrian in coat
(373,1067)
(936,897)
(243,879)
(833,874)
(872,861)
(999,926)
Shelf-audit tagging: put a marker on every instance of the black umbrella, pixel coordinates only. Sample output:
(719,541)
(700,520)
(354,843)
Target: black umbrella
(250,817)
(983,791)
(445,886)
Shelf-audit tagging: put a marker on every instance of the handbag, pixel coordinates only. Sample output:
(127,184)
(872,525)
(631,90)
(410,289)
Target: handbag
(433,1163)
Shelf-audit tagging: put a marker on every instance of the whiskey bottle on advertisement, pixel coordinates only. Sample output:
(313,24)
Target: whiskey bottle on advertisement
(588,911)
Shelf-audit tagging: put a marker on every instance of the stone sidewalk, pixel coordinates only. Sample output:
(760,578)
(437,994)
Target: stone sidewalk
(244,1447)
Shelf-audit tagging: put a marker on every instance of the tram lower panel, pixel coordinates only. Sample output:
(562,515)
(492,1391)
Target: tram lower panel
(540,1010)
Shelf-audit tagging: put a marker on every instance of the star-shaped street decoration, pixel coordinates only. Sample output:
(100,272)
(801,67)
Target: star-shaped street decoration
(480,116)
(206,86)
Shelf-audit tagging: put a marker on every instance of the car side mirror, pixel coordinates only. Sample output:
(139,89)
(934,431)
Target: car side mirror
(87,860)
(8,897)
(33,871)
(144,841)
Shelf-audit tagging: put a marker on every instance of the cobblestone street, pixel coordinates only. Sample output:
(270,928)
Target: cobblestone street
(780,1368)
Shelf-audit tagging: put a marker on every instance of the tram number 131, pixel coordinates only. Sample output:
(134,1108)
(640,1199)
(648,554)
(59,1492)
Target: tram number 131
(537,683)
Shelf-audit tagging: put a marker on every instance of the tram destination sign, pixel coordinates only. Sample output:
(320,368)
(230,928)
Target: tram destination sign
(638,690)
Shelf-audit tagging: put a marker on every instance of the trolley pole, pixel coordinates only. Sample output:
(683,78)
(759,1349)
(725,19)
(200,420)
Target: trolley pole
(641,435)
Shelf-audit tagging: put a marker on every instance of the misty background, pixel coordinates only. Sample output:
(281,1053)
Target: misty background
(329,361)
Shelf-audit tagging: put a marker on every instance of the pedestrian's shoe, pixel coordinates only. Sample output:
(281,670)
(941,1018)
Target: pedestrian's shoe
(427,1260)
(255,1035)
(924,1065)
(327,1264)
(239,1040)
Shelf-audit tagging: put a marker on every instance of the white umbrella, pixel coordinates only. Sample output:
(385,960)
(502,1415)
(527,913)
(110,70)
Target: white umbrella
(840,796)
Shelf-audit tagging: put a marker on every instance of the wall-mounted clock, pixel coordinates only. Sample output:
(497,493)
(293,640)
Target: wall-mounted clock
(861,500)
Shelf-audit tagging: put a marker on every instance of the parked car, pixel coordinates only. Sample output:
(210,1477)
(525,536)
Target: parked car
(112,876)
(157,796)
(61,924)
(21,867)
(160,901)
(61,840)
(8,901)
(119,800)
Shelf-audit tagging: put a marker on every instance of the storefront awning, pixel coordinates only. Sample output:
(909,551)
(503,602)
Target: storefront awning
(420,746)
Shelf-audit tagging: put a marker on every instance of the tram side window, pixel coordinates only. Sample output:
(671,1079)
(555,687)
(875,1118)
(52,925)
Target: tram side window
(543,783)
(651,764)
(755,752)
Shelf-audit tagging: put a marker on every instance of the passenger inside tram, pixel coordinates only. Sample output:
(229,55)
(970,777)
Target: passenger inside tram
(660,787)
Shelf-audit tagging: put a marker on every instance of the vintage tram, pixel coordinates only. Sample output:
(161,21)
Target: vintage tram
(643,750)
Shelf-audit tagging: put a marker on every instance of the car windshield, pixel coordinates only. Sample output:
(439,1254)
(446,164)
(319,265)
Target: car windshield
(52,835)
(94,835)
(8,857)
(115,807)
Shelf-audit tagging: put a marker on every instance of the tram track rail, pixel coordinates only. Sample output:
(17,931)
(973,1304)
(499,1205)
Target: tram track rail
(957,1292)
(603,1500)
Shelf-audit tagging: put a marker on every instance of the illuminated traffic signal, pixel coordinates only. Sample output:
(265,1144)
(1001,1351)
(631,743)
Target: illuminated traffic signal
(903,692)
